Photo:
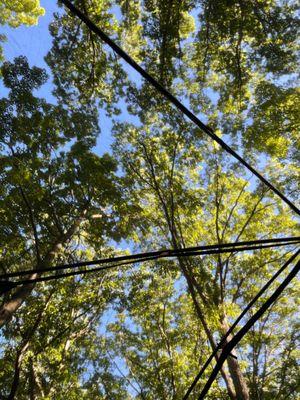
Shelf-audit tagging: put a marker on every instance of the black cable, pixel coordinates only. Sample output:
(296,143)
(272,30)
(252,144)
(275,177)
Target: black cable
(74,10)
(230,330)
(6,286)
(189,251)
(73,273)
(242,332)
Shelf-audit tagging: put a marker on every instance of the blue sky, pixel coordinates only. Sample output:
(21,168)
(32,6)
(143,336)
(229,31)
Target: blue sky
(34,42)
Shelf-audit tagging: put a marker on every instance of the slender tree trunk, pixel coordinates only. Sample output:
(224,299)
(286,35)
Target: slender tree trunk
(23,349)
(225,375)
(241,387)
(193,288)
(16,378)
(236,385)
(16,300)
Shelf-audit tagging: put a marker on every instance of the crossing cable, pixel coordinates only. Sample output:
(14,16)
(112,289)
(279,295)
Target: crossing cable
(186,252)
(230,330)
(177,103)
(243,331)
(6,285)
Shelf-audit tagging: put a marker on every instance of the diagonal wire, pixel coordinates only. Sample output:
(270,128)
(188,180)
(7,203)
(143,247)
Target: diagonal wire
(68,274)
(186,252)
(243,313)
(242,332)
(177,103)
(6,286)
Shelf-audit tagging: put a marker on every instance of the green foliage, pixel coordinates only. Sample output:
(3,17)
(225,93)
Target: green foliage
(82,70)
(18,12)
(52,184)
(275,120)
(144,332)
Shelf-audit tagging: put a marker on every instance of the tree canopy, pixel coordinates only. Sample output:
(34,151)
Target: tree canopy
(17,12)
(144,331)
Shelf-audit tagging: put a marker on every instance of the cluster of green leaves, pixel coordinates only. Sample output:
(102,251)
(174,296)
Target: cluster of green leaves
(81,67)
(18,12)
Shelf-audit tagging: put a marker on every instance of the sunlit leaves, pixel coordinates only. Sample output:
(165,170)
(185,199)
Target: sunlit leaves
(17,12)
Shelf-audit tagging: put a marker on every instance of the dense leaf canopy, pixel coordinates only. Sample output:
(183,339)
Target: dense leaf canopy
(144,331)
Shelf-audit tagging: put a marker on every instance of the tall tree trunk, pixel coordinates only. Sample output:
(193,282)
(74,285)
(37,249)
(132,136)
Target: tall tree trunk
(193,289)
(241,387)
(11,306)
(236,376)
(23,349)
(225,375)
(236,385)
(16,300)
